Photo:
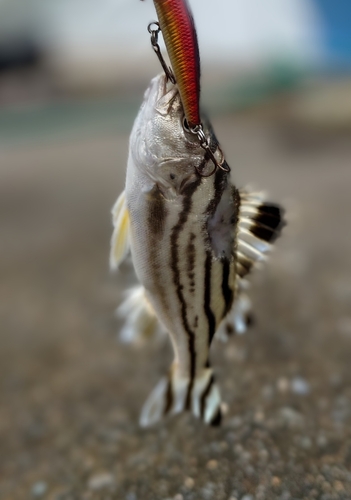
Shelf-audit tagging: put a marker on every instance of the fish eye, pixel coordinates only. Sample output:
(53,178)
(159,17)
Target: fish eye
(172,176)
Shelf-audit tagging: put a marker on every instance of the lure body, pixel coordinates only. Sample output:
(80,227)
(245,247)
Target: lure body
(178,30)
(193,239)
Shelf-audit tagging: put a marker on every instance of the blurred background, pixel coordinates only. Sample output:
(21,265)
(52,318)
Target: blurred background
(276,80)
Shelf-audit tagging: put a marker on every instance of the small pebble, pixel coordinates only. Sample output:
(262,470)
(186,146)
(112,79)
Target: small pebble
(275,482)
(326,486)
(247,497)
(300,386)
(286,495)
(212,464)
(179,497)
(131,496)
(267,392)
(235,422)
(291,418)
(100,481)
(259,417)
(189,483)
(322,441)
(305,442)
(338,486)
(283,385)
(224,408)
(208,491)
(238,449)
(39,489)
(263,455)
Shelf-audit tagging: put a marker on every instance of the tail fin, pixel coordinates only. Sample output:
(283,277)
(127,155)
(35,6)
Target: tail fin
(174,394)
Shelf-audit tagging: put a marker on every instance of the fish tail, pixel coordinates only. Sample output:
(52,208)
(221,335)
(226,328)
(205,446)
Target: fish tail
(174,394)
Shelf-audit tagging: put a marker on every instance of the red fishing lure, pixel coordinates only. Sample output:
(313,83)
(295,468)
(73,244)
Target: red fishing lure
(179,33)
(178,29)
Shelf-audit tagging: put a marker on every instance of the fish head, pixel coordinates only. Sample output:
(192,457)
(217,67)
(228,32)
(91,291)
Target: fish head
(164,151)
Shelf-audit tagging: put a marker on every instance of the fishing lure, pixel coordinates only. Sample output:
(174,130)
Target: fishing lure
(178,29)
(177,25)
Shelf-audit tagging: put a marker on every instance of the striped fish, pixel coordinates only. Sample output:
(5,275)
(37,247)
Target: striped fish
(193,240)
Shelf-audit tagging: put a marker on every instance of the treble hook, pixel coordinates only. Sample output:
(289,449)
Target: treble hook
(154,43)
(198,130)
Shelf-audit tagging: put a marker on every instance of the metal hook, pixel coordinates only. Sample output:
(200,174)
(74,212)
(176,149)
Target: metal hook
(198,130)
(154,43)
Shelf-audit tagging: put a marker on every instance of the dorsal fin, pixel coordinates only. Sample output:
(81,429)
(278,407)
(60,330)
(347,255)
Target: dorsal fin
(120,238)
(259,224)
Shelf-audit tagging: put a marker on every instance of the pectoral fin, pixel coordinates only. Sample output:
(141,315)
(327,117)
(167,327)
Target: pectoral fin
(120,238)
(259,225)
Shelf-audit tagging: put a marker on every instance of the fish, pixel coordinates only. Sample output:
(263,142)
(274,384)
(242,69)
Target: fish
(178,29)
(193,241)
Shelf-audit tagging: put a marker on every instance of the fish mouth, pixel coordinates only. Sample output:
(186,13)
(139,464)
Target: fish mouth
(158,89)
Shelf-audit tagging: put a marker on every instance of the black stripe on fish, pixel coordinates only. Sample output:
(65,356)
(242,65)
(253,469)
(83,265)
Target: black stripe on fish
(175,232)
(156,221)
(157,212)
(169,396)
(204,395)
(220,183)
(191,253)
(237,203)
(207,297)
(226,290)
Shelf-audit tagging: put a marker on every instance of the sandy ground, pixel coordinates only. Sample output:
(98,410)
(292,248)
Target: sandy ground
(71,394)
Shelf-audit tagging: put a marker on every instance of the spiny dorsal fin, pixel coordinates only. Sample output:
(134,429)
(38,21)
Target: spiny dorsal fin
(259,224)
(120,237)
